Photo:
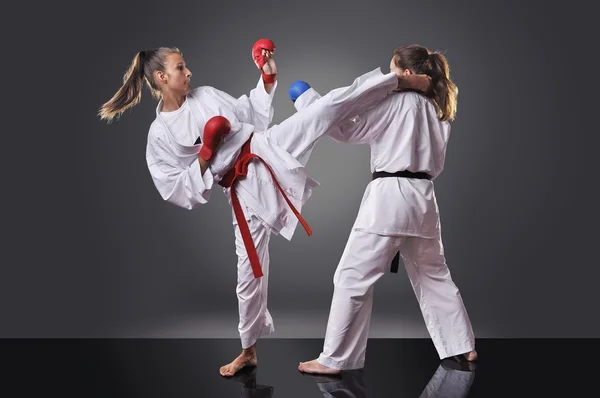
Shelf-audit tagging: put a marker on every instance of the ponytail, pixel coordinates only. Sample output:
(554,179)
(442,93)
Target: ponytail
(130,92)
(443,91)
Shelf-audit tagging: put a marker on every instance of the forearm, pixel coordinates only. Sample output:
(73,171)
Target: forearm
(203,165)
(269,87)
(269,83)
(414,82)
(405,83)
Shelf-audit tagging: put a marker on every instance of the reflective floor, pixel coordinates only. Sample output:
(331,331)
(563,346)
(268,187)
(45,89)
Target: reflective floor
(395,368)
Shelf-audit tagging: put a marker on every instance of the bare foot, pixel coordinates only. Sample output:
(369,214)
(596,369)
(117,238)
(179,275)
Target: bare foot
(316,368)
(246,358)
(470,356)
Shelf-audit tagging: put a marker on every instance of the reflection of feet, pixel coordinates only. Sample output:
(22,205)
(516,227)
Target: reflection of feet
(246,358)
(323,378)
(459,363)
(250,388)
(246,376)
(349,383)
(316,368)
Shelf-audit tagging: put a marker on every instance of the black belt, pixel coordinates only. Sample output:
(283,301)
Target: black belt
(404,174)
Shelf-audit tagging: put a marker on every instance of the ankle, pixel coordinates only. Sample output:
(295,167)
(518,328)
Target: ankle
(249,352)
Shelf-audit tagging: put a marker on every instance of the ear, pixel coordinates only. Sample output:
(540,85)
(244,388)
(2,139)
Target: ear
(160,76)
(407,72)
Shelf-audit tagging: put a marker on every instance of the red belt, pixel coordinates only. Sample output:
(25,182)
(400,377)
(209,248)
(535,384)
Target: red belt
(240,169)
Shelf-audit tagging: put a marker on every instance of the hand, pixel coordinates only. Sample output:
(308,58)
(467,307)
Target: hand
(420,83)
(260,50)
(262,54)
(269,68)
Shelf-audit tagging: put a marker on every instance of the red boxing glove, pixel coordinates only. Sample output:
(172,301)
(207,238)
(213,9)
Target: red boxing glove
(260,59)
(257,48)
(214,130)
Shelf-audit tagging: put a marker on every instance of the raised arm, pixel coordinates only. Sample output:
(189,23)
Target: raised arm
(262,54)
(259,103)
(257,107)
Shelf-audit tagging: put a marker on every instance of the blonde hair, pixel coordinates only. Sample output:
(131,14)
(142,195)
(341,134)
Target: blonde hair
(443,91)
(141,70)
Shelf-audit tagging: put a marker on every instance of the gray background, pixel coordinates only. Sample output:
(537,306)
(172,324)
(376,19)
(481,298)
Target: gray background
(94,251)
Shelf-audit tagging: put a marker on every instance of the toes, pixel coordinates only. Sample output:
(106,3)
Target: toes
(471,356)
(225,371)
(307,367)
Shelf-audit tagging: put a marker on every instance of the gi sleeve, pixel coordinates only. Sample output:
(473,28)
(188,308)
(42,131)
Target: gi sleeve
(354,131)
(182,186)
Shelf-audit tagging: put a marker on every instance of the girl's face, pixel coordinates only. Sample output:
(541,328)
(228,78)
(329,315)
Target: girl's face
(176,77)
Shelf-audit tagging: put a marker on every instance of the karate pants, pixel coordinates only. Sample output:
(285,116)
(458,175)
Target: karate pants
(255,320)
(365,259)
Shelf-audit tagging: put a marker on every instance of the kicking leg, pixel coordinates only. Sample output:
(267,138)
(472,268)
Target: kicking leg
(298,133)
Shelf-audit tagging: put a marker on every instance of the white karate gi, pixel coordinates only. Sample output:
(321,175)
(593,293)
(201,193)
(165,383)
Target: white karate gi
(396,214)
(173,165)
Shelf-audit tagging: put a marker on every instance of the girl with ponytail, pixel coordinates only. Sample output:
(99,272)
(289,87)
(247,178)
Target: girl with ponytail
(398,217)
(443,92)
(130,92)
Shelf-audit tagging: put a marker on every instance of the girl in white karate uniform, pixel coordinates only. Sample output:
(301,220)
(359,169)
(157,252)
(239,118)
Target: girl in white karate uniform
(184,177)
(408,134)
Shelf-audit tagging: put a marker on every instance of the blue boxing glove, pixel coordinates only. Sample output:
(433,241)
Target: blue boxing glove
(297,89)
